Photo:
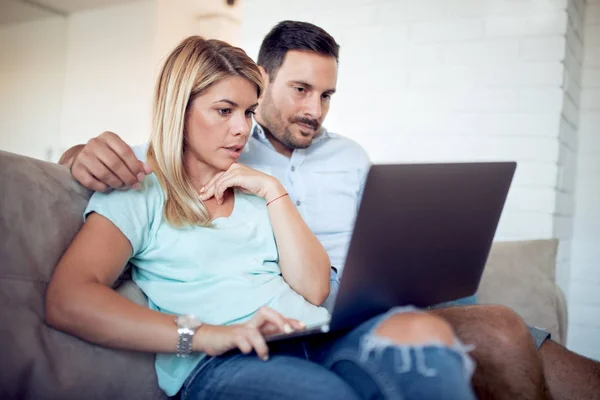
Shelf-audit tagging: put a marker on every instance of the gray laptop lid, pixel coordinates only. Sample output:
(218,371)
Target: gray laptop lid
(422,236)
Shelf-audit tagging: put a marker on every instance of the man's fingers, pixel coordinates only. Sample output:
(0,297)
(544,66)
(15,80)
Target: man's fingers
(117,166)
(124,152)
(84,177)
(102,173)
(147,168)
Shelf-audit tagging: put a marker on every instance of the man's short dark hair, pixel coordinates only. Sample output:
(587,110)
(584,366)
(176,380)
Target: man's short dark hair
(294,35)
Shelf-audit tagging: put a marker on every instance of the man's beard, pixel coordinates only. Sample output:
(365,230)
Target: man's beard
(273,123)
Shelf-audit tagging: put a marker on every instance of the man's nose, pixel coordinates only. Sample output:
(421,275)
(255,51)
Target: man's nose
(313,107)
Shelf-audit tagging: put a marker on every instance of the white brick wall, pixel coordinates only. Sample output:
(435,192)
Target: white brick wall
(455,80)
(567,139)
(443,80)
(584,301)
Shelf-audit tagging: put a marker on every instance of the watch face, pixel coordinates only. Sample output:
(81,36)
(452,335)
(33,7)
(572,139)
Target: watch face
(187,321)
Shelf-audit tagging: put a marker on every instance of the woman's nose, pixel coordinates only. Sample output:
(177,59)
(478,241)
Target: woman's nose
(242,126)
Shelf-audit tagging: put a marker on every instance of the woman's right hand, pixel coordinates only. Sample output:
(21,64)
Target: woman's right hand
(215,340)
(244,178)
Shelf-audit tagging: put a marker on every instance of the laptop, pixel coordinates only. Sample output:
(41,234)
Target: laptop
(422,237)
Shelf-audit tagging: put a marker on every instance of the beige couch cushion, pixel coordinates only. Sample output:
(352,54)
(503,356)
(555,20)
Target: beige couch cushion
(41,209)
(520,275)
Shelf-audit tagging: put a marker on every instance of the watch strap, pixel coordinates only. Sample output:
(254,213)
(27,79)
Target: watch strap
(184,345)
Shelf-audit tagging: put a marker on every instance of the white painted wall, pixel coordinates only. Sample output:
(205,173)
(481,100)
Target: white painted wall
(32,76)
(114,55)
(110,68)
(584,301)
(208,18)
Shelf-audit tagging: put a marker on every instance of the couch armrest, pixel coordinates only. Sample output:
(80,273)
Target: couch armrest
(563,316)
(520,275)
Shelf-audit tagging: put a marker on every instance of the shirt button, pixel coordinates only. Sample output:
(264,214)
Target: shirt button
(298,203)
(293,168)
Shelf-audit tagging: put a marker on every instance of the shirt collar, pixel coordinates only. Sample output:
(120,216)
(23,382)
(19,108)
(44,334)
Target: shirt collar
(259,133)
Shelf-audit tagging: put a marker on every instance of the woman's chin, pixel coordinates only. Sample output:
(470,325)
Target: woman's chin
(223,165)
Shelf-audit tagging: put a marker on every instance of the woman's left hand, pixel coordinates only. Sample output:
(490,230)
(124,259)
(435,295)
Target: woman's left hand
(245,179)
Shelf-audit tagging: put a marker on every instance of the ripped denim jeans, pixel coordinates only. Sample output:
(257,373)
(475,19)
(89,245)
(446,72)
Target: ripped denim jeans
(357,364)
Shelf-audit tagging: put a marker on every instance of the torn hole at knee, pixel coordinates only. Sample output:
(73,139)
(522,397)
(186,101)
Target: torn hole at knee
(415,329)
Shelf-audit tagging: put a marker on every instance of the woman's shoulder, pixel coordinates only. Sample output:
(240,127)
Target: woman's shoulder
(133,212)
(140,205)
(149,189)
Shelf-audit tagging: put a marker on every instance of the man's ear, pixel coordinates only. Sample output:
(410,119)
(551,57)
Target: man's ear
(264,74)
(265,79)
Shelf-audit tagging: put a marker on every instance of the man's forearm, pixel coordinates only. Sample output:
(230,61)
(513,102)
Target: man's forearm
(69,156)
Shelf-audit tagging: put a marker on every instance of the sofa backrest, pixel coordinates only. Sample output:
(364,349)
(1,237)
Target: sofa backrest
(41,210)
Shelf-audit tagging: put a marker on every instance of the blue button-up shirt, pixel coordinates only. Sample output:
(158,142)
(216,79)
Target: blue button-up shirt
(325,181)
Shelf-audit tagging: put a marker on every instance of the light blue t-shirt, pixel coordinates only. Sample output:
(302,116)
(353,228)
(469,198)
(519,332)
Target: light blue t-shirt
(223,274)
(325,181)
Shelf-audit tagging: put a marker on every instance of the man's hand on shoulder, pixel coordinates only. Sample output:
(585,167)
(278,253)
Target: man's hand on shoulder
(105,162)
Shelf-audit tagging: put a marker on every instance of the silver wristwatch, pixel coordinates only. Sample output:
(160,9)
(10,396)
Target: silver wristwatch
(186,328)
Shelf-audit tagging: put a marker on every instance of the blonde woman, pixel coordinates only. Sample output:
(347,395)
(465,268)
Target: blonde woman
(225,259)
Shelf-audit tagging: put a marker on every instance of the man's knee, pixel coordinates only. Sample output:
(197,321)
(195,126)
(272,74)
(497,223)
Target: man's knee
(488,326)
(503,328)
(415,328)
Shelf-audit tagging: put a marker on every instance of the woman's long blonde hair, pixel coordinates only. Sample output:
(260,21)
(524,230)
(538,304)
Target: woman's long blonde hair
(191,68)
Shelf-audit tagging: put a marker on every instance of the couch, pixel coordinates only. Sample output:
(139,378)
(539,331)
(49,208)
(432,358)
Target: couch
(41,210)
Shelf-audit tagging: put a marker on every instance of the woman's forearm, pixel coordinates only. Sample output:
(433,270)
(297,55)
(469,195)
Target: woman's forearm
(304,262)
(98,314)
(80,300)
